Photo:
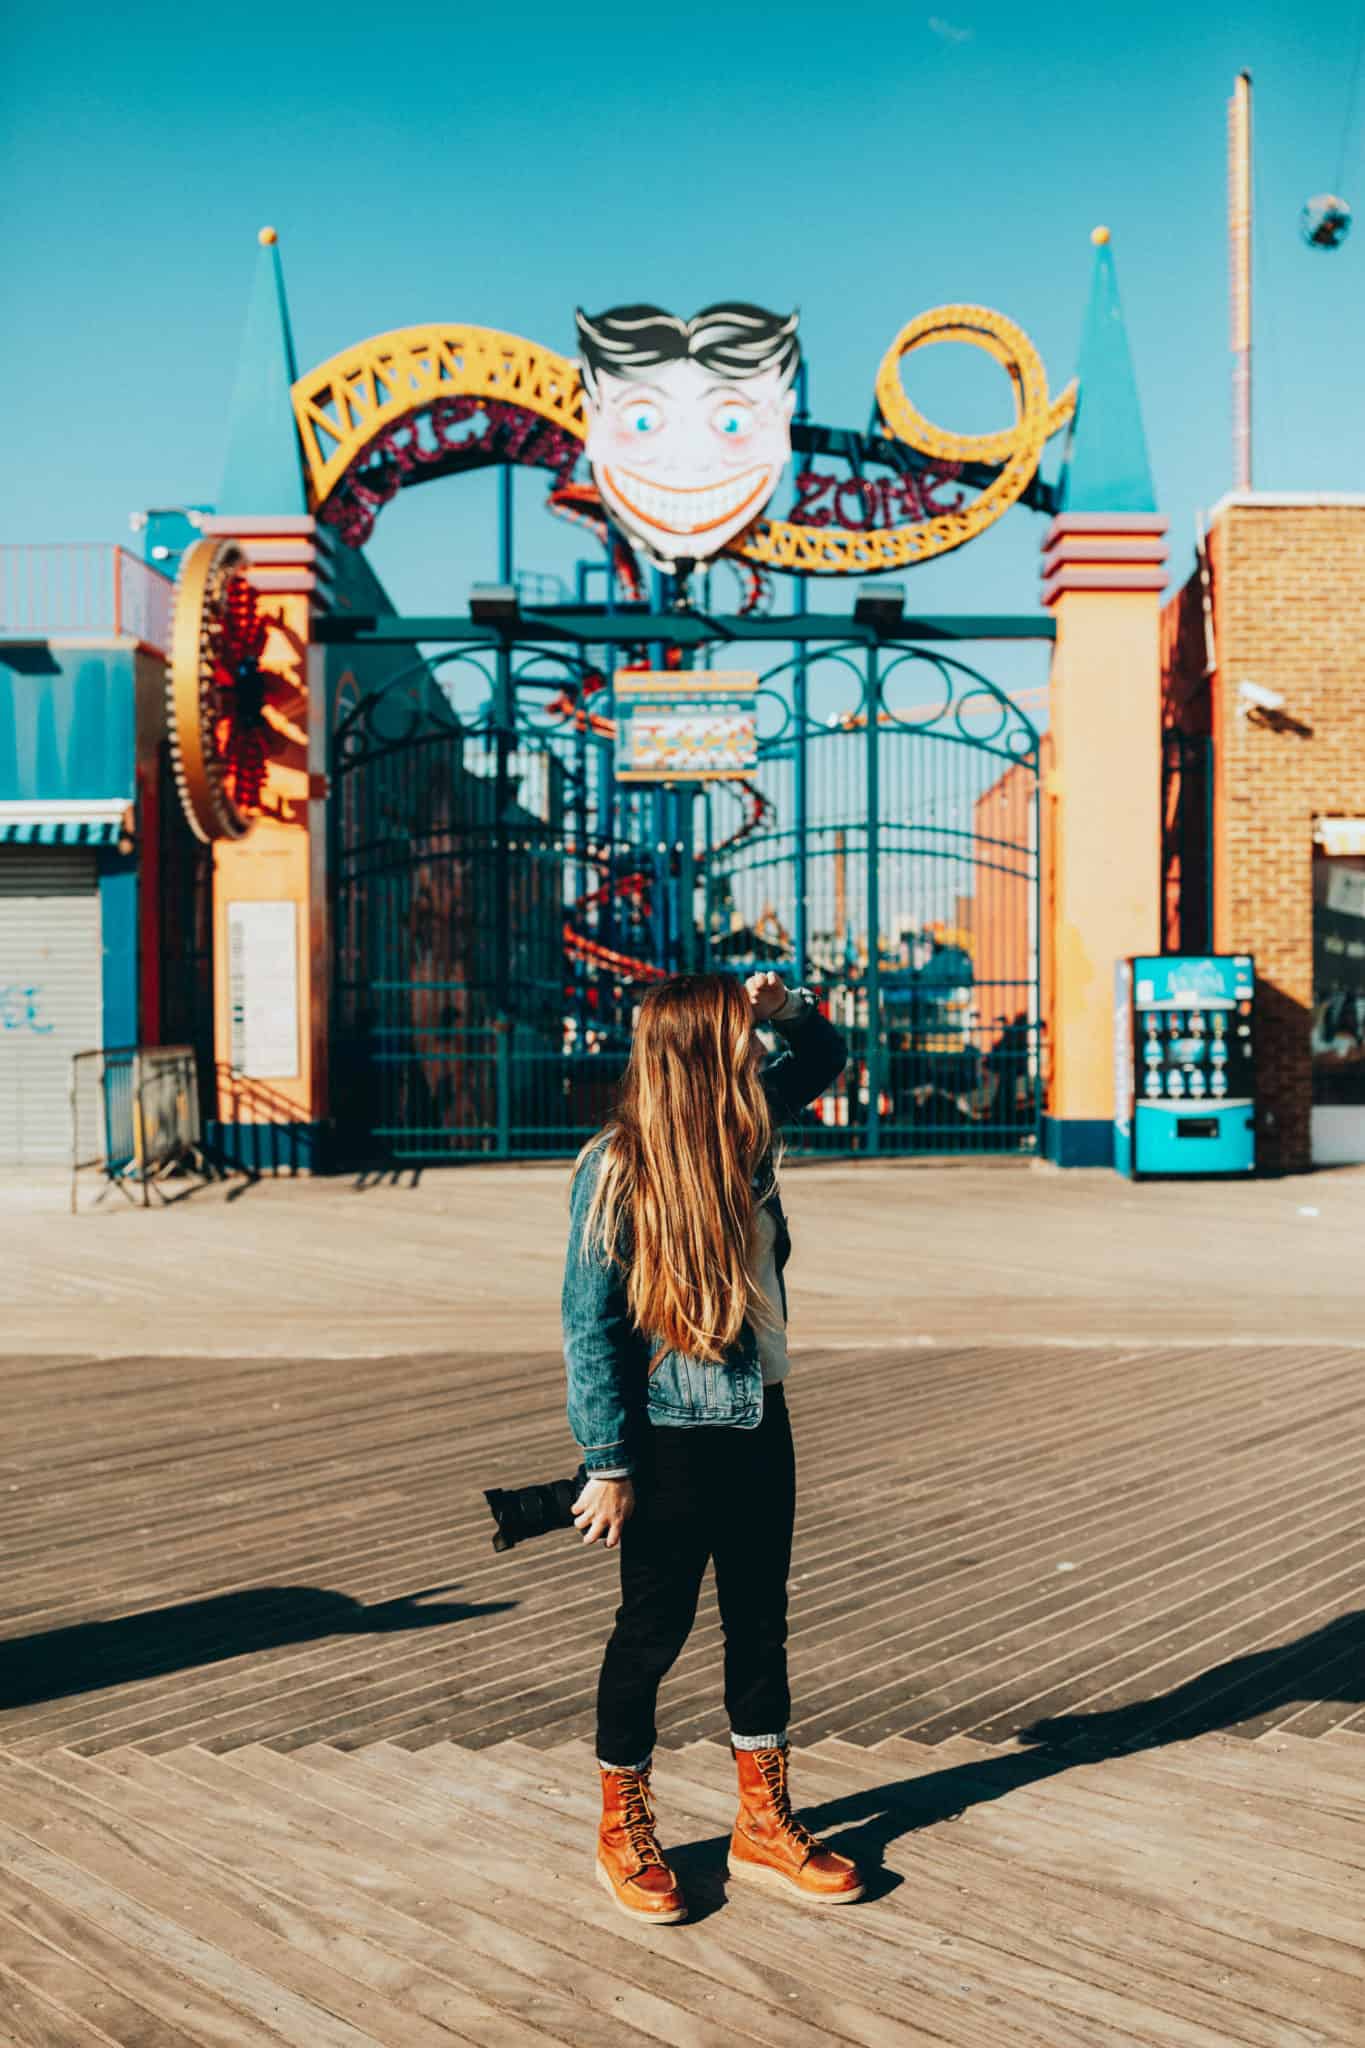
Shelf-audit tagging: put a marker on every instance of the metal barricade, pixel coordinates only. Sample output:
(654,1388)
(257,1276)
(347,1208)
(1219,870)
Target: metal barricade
(134,1117)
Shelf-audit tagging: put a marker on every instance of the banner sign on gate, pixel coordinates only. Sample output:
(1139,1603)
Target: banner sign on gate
(686,725)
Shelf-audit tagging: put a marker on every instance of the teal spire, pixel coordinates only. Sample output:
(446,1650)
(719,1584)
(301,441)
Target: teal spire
(263,473)
(1105,467)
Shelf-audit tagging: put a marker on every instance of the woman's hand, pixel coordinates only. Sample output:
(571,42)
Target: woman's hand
(767,992)
(602,1508)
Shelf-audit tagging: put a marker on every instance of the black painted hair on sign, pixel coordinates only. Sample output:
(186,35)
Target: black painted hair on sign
(732,339)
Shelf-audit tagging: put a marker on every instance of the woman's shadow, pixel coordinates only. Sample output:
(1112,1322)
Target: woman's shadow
(1329,1664)
(92,1656)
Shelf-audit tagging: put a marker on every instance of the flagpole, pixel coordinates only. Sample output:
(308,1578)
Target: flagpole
(1239,245)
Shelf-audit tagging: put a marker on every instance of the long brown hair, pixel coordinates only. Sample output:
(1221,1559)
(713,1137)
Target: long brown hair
(691,1130)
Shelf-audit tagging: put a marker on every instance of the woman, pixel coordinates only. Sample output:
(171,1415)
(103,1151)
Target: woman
(674,1340)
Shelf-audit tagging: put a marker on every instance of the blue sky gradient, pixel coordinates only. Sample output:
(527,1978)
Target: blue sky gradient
(500,165)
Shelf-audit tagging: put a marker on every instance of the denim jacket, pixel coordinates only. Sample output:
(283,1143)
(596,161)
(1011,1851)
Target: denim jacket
(612,1392)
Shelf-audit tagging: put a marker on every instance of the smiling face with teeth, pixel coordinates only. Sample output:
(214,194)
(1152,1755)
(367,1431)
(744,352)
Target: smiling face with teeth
(689,423)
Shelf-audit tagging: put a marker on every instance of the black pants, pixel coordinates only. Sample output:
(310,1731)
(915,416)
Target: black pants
(702,1493)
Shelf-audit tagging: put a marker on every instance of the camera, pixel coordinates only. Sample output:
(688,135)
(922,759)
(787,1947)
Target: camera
(521,1512)
(1257,697)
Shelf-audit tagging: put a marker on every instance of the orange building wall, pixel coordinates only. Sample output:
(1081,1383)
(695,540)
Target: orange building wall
(1002,902)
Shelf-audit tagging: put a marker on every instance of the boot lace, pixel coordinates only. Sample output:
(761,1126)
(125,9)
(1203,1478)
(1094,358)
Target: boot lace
(637,1818)
(772,1767)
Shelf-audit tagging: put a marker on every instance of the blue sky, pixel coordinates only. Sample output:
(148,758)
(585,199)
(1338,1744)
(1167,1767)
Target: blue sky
(500,165)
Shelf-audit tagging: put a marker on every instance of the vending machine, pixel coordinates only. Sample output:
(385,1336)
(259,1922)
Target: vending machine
(1185,1064)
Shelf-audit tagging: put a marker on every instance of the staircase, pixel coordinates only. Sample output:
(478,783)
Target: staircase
(414,1897)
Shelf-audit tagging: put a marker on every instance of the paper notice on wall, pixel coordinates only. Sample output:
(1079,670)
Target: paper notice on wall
(1345,891)
(263,989)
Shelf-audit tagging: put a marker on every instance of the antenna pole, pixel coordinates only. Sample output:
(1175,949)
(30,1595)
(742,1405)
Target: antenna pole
(1239,248)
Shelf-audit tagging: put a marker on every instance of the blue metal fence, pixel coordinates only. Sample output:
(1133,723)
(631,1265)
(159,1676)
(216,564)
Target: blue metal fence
(501,902)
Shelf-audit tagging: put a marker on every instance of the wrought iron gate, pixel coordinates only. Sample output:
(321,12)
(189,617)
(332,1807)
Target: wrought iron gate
(891,863)
(501,902)
(497,904)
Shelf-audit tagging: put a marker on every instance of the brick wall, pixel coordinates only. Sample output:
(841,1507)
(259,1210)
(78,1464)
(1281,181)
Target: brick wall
(1289,603)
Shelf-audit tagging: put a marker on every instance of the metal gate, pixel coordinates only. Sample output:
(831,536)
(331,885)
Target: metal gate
(890,862)
(495,910)
(501,902)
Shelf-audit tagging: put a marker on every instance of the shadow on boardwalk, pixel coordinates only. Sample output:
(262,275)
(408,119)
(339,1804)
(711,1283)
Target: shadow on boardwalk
(1328,1664)
(93,1656)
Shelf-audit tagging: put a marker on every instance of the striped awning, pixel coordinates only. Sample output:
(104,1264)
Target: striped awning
(71,821)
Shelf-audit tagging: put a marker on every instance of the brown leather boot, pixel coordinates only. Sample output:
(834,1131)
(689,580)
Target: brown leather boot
(769,1845)
(630,1864)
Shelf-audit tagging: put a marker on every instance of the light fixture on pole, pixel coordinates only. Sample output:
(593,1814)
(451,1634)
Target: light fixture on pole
(880,605)
(494,604)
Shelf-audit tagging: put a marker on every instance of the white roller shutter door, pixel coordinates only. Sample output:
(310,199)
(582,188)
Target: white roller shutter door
(50,995)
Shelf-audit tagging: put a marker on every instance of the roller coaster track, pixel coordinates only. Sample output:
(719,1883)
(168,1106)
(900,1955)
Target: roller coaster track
(344,406)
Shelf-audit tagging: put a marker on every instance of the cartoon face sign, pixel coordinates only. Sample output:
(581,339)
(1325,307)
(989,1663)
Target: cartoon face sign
(689,422)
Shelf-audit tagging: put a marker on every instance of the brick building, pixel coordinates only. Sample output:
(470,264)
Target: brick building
(1264,813)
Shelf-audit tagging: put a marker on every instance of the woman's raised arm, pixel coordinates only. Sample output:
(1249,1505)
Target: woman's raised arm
(813,1056)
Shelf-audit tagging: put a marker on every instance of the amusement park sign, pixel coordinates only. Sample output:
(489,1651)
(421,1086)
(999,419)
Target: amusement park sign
(695,726)
(689,422)
(674,434)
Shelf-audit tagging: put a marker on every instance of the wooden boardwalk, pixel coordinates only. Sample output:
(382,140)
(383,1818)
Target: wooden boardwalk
(287,1753)
(336,1899)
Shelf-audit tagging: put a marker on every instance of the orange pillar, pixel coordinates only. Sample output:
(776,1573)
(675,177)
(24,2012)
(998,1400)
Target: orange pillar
(1103,573)
(269,909)
(1103,577)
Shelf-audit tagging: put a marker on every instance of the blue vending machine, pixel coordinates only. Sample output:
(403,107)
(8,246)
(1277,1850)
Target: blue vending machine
(1185,1064)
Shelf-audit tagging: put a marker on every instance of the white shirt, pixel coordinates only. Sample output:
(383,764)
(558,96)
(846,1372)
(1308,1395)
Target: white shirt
(772,1343)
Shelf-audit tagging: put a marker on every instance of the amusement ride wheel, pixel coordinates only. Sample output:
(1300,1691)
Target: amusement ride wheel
(216,692)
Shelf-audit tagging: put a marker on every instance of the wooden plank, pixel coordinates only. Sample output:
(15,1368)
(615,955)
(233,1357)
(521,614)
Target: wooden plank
(1276,1759)
(1221,1836)
(541,1984)
(756,2022)
(915,1674)
(1045,2000)
(1093,1935)
(1245,1805)
(149,1962)
(323,1958)
(349,1874)
(777,2003)
(1052,1845)
(364,1483)
(881,1944)
(478,1803)
(563,1819)
(1158,1932)
(82,1998)
(1289,1832)
(32,2021)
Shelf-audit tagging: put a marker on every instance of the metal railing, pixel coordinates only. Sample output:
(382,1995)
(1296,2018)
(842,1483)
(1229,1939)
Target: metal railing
(134,1117)
(79,587)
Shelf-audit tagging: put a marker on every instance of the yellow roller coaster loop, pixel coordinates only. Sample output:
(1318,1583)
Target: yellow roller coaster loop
(345,403)
(818,550)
